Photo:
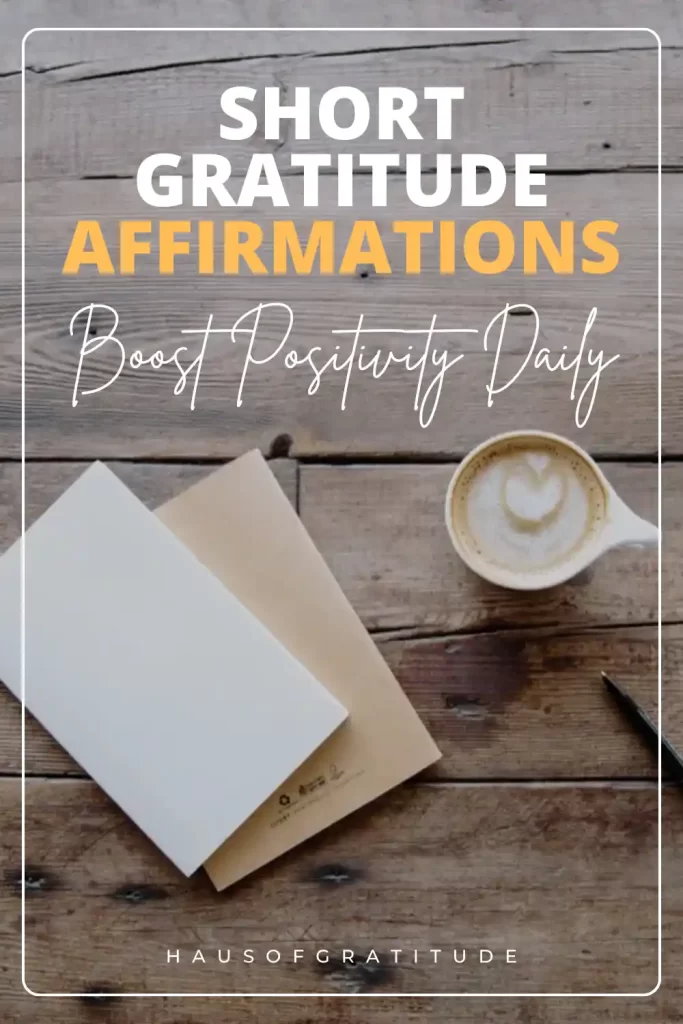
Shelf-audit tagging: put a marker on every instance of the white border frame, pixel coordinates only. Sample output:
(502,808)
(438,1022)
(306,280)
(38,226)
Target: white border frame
(304,995)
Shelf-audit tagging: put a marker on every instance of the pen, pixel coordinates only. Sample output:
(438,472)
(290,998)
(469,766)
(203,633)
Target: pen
(672,762)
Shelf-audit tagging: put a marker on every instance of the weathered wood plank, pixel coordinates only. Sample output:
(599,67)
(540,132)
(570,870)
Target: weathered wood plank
(586,110)
(523,703)
(152,483)
(630,199)
(513,705)
(381,530)
(403,574)
(138,415)
(50,49)
(566,875)
(664,1008)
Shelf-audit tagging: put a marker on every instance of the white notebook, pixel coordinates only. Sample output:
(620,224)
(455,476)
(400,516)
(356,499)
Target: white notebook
(154,677)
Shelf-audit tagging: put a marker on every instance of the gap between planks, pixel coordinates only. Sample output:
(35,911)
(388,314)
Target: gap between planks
(607,782)
(553,630)
(324,55)
(396,172)
(352,459)
(293,173)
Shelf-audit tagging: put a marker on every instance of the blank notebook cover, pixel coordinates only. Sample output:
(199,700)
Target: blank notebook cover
(227,521)
(151,674)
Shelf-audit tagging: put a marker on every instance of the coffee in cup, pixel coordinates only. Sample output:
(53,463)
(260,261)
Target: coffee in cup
(529,509)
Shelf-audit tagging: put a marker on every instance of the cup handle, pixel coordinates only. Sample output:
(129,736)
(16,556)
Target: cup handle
(627,529)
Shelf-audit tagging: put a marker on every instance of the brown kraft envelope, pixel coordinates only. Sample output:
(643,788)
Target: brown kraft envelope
(241,525)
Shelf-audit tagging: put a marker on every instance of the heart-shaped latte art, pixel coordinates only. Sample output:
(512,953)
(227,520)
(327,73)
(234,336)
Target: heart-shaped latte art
(533,492)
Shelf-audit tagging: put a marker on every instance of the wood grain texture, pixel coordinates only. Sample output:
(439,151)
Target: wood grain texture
(566,875)
(512,705)
(433,858)
(380,528)
(662,1008)
(523,704)
(138,415)
(590,110)
(154,48)
(153,484)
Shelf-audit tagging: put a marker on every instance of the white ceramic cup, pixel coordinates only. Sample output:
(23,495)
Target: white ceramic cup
(620,526)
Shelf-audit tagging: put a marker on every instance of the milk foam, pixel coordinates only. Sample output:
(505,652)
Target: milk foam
(527,505)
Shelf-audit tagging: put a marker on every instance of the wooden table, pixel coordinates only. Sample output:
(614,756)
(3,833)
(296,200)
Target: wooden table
(538,829)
